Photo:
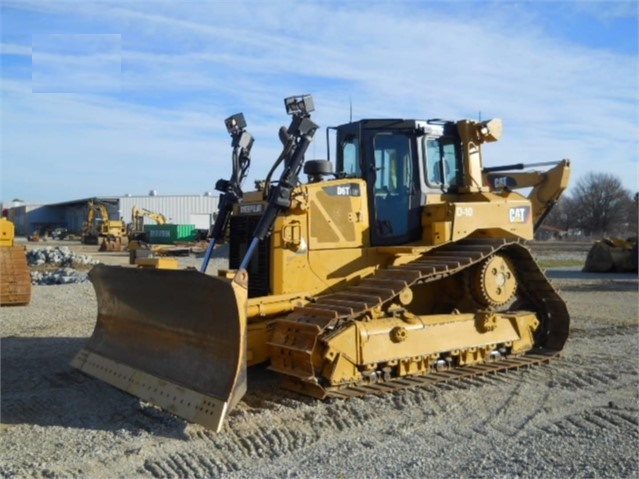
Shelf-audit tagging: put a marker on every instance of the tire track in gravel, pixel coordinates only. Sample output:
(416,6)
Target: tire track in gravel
(215,454)
(188,465)
(551,448)
(578,378)
(510,417)
(591,421)
(511,411)
(299,426)
(606,332)
(294,429)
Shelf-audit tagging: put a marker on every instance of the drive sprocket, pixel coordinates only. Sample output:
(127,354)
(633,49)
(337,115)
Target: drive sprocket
(493,282)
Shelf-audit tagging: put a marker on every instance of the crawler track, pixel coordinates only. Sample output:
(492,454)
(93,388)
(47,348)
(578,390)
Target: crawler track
(465,372)
(331,312)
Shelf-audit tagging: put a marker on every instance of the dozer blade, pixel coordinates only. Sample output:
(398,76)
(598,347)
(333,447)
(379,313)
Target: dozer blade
(174,338)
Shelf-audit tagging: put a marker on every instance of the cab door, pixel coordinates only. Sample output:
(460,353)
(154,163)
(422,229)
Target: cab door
(391,172)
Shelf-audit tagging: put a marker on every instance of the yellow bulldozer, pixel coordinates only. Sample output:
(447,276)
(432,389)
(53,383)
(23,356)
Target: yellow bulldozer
(15,279)
(403,265)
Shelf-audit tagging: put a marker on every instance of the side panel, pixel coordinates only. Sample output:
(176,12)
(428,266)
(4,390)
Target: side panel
(323,239)
(337,215)
(492,215)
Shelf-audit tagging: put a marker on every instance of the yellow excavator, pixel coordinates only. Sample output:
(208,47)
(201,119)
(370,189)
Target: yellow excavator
(140,251)
(135,232)
(15,279)
(137,220)
(401,266)
(103,230)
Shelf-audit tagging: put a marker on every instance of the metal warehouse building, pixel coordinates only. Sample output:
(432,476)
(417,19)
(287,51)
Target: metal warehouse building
(185,209)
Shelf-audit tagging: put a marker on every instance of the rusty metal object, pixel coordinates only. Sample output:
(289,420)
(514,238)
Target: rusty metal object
(612,255)
(15,279)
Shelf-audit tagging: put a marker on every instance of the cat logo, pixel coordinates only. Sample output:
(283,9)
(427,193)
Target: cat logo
(502,182)
(519,214)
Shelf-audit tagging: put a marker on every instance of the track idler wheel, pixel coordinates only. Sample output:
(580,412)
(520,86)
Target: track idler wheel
(493,282)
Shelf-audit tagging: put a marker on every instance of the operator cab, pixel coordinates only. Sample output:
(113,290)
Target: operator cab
(401,161)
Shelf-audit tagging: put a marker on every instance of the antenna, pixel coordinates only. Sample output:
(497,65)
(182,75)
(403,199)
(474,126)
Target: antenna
(479,115)
(350,112)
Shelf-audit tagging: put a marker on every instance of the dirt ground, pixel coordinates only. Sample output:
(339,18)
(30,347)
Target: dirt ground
(575,417)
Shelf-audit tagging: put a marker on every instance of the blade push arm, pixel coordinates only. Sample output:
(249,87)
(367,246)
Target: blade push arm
(231,189)
(298,138)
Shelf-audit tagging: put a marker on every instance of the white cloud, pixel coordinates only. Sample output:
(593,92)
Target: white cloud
(13,49)
(184,69)
(76,63)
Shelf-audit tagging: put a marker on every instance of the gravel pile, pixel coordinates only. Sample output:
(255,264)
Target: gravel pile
(67,261)
(58,276)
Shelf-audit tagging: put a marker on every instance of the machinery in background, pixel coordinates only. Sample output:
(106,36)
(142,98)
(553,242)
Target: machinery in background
(91,226)
(135,231)
(15,279)
(404,266)
(141,252)
(612,255)
(103,230)
(136,228)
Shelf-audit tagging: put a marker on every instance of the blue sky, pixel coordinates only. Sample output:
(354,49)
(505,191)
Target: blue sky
(109,98)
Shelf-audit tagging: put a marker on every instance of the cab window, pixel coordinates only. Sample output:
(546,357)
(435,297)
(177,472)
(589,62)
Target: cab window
(350,159)
(392,163)
(443,162)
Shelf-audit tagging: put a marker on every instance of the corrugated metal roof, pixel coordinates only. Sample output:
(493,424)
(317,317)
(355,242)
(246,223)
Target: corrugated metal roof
(84,201)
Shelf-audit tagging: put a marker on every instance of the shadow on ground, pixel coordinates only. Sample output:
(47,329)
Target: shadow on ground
(39,387)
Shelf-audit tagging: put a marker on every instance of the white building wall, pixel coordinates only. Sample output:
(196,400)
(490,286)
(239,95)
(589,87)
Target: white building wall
(183,209)
(177,209)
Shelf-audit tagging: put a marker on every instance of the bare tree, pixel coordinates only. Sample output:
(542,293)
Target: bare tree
(560,215)
(633,216)
(599,205)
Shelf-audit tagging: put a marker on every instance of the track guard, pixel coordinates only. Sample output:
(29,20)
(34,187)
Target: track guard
(174,338)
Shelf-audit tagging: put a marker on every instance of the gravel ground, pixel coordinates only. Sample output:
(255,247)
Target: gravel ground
(576,417)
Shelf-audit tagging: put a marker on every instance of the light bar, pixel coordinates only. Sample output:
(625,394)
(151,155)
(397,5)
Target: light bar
(235,123)
(299,105)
